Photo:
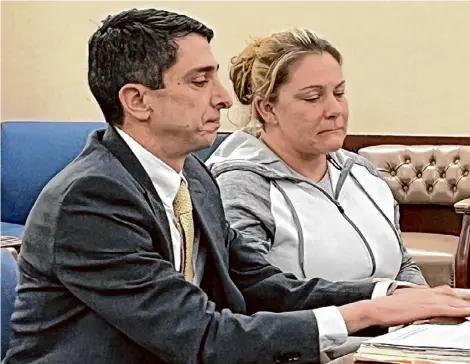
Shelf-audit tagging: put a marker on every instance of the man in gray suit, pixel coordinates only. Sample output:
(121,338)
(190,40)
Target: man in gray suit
(127,256)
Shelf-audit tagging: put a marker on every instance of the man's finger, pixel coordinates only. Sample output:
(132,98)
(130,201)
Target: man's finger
(463,293)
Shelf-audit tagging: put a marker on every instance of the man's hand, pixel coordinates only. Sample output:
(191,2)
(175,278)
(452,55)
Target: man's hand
(458,292)
(406,305)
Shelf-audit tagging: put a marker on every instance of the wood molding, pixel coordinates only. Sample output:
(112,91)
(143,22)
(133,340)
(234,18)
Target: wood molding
(431,219)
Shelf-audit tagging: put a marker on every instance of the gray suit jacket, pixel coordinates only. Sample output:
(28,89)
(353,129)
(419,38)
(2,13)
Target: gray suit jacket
(98,285)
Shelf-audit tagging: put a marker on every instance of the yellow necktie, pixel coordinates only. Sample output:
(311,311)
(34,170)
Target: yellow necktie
(183,210)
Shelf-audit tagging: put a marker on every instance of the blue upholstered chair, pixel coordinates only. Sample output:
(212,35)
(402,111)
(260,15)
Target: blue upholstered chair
(31,154)
(9,281)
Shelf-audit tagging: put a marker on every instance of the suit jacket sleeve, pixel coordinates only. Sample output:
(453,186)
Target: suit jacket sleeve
(267,288)
(105,256)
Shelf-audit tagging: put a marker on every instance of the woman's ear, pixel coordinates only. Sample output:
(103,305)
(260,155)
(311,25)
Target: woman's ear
(265,110)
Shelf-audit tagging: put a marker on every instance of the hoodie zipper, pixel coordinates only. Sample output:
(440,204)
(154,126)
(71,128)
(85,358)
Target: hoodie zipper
(392,226)
(344,172)
(369,249)
(354,226)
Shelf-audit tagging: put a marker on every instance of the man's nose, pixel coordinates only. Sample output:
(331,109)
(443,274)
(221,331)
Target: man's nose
(221,97)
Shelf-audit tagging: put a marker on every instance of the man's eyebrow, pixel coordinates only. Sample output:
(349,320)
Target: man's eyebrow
(203,69)
(314,87)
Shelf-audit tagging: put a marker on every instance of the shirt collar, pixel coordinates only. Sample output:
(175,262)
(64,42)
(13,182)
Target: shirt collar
(164,178)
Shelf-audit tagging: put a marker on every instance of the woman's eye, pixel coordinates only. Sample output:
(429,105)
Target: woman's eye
(312,99)
(339,95)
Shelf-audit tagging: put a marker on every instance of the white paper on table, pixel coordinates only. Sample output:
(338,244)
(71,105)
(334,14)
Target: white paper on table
(454,337)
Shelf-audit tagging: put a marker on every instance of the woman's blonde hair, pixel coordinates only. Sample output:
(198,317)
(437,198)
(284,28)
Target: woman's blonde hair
(264,65)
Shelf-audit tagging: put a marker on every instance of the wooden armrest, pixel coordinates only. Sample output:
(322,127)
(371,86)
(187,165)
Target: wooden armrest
(462,257)
(462,207)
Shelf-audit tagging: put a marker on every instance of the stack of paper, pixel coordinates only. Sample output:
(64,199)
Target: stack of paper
(419,344)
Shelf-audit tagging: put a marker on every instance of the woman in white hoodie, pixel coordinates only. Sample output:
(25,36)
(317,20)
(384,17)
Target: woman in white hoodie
(314,209)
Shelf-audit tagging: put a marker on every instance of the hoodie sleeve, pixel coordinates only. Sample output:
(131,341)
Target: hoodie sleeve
(409,271)
(246,199)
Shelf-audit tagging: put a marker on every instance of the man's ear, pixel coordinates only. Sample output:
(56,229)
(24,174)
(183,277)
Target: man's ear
(134,101)
(265,109)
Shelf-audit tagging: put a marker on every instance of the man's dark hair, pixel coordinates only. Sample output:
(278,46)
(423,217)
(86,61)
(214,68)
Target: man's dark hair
(135,46)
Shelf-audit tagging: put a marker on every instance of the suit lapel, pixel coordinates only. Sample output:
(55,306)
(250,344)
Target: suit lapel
(198,198)
(204,213)
(118,147)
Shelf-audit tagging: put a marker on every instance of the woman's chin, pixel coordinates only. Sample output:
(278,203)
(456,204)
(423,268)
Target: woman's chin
(334,141)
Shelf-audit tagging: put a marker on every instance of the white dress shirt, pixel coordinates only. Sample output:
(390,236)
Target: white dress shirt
(331,325)
(166,182)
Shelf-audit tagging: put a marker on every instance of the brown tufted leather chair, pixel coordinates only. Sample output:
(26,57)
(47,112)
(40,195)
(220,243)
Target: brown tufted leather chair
(432,185)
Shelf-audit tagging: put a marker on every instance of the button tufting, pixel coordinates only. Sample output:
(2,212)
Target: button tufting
(465,173)
(407,161)
(443,175)
(393,173)
(419,175)
(455,188)
(457,161)
(430,188)
(405,188)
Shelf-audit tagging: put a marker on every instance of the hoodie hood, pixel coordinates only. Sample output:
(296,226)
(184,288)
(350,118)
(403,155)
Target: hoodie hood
(242,151)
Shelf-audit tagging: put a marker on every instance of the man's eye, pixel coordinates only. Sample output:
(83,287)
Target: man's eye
(200,83)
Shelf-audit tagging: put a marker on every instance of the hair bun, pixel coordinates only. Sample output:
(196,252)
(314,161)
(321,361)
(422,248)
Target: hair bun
(241,72)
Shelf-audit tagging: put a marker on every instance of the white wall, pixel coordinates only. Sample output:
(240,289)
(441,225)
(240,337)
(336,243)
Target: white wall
(406,63)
